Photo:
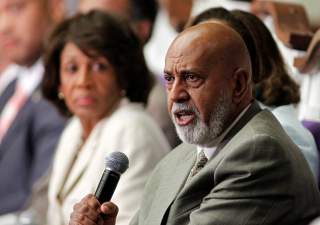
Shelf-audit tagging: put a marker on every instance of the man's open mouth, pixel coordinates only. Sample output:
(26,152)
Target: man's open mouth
(184,117)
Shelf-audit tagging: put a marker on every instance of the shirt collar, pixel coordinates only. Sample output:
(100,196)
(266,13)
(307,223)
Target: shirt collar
(8,75)
(30,77)
(209,151)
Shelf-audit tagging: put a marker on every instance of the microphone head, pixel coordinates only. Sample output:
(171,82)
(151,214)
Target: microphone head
(117,162)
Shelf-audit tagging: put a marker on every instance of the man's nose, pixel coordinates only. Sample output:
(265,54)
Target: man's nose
(178,92)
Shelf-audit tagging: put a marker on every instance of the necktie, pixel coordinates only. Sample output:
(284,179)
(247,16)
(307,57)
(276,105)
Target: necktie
(200,163)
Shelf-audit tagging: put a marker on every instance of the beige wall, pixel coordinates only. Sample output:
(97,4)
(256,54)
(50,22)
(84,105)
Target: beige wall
(313,10)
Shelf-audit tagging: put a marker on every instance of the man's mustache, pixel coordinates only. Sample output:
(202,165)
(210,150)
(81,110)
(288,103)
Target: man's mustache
(183,107)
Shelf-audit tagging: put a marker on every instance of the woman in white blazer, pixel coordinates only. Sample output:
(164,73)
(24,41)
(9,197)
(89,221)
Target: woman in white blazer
(96,73)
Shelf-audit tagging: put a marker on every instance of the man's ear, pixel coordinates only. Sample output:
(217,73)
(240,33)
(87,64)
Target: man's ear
(241,83)
(56,10)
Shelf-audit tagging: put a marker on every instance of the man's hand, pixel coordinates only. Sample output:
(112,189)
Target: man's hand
(90,212)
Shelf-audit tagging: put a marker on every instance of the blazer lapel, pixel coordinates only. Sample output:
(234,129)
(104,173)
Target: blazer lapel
(82,161)
(248,115)
(170,187)
(203,182)
(7,94)
(219,153)
(65,155)
(16,126)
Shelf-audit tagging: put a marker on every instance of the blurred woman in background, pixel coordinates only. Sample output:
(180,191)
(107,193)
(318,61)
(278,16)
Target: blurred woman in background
(96,74)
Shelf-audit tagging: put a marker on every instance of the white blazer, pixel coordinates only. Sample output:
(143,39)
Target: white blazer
(130,130)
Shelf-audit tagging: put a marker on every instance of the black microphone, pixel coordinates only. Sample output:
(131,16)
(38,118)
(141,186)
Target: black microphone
(116,164)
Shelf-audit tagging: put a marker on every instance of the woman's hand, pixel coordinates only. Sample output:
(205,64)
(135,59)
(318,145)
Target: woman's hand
(90,212)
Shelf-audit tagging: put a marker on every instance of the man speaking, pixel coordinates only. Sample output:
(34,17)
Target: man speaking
(236,165)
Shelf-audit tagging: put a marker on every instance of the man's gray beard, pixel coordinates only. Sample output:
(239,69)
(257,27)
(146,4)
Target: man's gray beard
(198,132)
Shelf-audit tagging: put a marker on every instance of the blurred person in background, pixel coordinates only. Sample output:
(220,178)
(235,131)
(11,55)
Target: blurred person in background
(273,87)
(141,15)
(171,17)
(309,106)
(29,125)
(178,12)
(96,74)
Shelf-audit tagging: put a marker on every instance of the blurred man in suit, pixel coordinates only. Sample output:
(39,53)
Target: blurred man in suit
(29,125)
(236,165)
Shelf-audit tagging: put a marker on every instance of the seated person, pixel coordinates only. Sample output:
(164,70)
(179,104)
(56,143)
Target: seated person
(30,126)
(274,88)
(237,165)
(141,16)
(96,73)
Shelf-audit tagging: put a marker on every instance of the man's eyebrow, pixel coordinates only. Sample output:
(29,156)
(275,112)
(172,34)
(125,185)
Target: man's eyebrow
(167,72)
(190,71)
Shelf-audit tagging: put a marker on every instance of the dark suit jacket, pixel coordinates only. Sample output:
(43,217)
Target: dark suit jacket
(26,149)
(257,176)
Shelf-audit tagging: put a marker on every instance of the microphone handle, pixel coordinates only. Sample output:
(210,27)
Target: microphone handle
(107,186)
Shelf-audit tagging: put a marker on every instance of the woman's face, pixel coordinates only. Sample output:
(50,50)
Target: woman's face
(89,84)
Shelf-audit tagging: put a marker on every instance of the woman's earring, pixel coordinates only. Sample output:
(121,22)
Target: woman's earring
(60,96)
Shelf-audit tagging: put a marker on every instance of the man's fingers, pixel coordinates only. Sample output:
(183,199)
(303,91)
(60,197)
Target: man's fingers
(80,219)
(93,202)
(109,209)
(87,211)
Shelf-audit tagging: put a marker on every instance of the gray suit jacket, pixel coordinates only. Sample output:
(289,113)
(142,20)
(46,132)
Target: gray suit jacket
(26,149)
(257,176)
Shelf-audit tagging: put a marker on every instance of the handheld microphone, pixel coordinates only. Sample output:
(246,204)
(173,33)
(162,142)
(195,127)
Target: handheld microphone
(116,164)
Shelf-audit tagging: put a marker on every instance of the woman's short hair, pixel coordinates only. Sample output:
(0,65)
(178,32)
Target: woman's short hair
(276,87)
(98,34)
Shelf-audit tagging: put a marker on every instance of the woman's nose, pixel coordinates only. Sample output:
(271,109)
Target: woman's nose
(84,76)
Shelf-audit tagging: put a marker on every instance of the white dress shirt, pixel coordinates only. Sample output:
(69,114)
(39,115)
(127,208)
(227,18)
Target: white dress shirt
(8,75)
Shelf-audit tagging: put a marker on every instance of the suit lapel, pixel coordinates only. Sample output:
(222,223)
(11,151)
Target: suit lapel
(7,94)
(65,155)
(219,153)
(79,167)
(203,182)
(170,187)
(248,115)
(16,126)
(19,121)
(82,160)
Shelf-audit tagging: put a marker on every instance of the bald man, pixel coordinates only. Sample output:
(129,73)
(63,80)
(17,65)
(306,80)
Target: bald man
(254,174)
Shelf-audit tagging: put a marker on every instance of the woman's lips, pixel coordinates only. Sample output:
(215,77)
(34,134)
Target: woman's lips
(85,101)
(184,118)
